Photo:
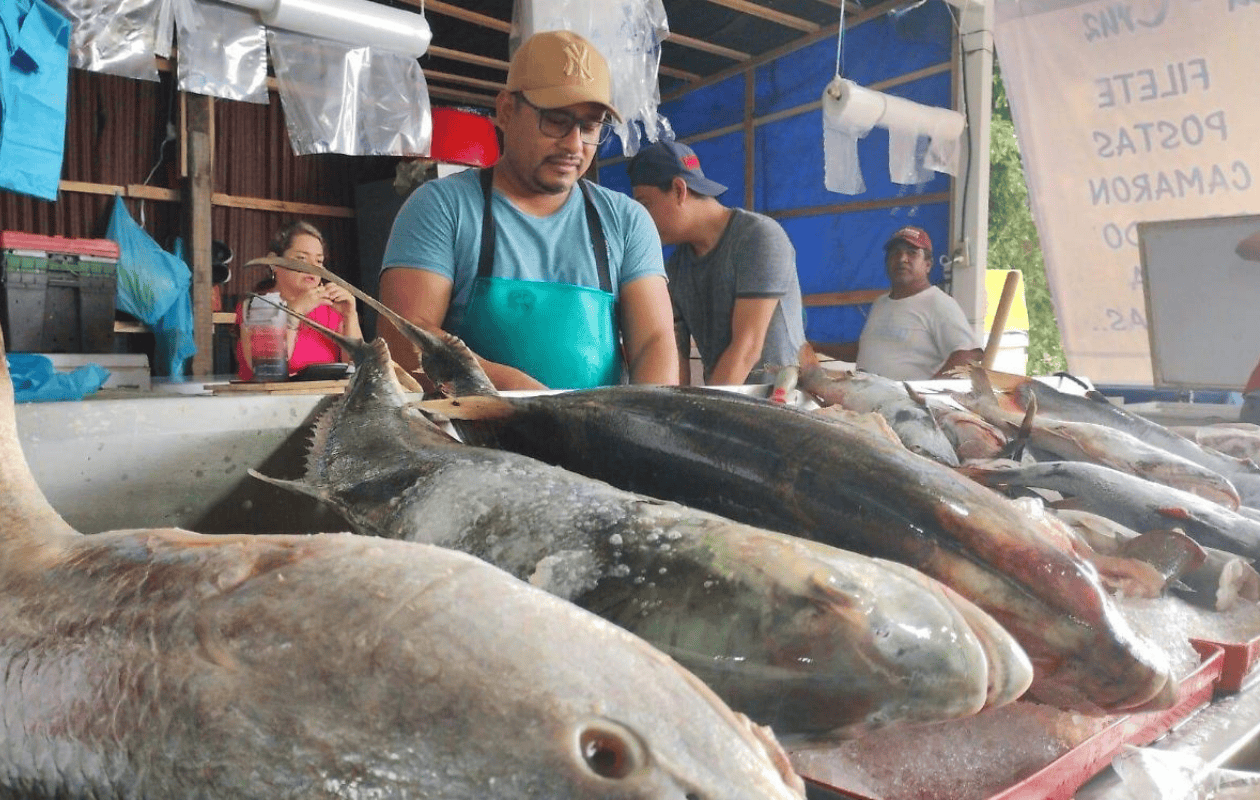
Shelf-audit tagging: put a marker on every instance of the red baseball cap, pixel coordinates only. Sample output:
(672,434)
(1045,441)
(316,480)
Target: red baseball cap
(915,237)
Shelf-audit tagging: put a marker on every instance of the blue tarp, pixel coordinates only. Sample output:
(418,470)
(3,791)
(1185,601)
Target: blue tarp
(838,238)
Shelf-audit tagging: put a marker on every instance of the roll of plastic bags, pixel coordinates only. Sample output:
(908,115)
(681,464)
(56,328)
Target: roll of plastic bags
(921,139)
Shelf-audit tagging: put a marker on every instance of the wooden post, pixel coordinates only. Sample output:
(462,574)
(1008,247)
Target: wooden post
(199,150)
(999,318)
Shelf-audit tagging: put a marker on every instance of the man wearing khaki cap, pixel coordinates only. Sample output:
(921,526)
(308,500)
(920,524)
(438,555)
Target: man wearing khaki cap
(549,286)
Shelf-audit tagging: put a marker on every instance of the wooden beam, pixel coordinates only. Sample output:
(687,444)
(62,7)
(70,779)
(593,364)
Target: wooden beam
(449,10)
(470,98)
(199,123)
(707,47)
(680,74)
(770,15)
(468,58)
(450,77)
(866,205)
(262,204)
(857,297)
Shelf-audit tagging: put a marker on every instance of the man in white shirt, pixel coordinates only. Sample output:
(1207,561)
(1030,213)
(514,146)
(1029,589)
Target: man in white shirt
(916,331)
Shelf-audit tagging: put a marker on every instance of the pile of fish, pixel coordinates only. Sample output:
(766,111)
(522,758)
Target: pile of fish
(781,468)
(811,640)
(163,663)
(1134,495)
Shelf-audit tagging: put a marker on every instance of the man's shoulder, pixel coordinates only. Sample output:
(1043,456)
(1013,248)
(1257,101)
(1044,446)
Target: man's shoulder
(754,224)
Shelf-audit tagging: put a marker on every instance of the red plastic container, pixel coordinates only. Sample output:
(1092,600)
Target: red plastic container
(1240,662)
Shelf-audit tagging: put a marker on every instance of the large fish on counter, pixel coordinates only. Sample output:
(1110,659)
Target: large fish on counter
(905,411)
(167,664)
(808,639)
(1134,502)
(782,468)
(1098,444)
(1017,393)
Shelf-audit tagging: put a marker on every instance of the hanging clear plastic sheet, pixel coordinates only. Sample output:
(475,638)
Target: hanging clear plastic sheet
(33,87)
(628,33)
(222,51)
(117,37)
(353,100)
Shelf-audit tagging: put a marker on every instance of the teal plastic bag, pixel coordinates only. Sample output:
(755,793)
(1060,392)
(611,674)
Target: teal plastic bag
(34,82)
(35,379)
(153,286)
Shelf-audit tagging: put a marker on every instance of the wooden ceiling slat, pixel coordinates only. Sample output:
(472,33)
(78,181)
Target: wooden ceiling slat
(480,100)
(433,75)
(707,47)
(449,10)
(680,74)
(468,58)
(768,14)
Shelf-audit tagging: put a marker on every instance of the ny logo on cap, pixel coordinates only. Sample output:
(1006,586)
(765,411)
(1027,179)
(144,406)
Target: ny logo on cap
(691,162)
(578,61)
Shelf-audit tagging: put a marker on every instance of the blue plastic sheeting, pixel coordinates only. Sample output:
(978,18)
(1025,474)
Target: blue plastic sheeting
(845,252)
(835,251)
(709,108)
(35,379)
(873,51)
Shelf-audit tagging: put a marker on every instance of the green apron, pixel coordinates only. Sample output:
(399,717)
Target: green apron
(563,335)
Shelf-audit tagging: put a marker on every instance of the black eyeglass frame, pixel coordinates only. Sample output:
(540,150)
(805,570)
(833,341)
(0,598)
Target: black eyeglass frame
(551,120)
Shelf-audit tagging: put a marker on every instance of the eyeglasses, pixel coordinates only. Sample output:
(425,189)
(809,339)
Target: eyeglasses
(556,124)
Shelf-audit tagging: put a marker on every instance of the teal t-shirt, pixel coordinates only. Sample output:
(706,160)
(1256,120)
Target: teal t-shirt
(439,229)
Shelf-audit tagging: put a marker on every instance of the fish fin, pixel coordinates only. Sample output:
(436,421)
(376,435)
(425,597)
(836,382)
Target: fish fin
(1174,512)
(469,408)
(915,395)
(1001,381)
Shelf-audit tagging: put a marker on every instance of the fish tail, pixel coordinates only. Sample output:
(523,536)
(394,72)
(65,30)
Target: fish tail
(32,522)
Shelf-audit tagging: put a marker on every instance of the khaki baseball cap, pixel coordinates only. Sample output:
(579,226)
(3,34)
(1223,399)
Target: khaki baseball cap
(554,69)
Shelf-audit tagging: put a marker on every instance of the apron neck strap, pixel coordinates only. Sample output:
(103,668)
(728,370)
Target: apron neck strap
(485,260)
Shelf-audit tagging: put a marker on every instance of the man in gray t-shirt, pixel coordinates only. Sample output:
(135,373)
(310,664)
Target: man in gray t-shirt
(732,276)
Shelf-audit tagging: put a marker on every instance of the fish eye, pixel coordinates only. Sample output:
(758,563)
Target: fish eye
(610,753)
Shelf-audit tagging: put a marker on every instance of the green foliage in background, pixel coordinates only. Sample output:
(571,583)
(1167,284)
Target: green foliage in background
(1013,242)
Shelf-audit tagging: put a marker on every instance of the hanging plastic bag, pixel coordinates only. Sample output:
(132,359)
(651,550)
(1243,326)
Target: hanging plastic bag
(34,80)
(35,379)
(153,286)
(628,34)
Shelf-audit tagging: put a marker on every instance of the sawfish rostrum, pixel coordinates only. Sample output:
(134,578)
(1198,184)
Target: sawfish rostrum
(810,640)
(167,664)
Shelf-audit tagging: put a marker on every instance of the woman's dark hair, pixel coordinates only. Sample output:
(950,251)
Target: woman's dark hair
(282,240)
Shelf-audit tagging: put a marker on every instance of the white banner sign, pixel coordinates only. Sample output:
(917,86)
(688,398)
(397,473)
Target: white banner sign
(1127,112)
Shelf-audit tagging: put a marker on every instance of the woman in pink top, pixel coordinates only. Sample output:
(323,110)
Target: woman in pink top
(325,303)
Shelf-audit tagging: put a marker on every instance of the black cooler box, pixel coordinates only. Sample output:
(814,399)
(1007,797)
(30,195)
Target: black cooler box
(58,293)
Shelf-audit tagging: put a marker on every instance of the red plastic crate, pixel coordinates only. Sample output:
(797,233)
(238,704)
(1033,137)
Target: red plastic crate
(1240,661)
